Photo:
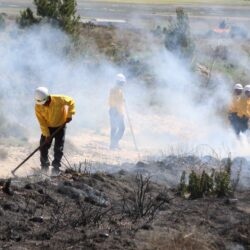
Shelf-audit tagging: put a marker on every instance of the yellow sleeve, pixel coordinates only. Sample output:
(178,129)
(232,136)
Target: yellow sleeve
(233,106)
(42,122)
(247,109)
(70,102)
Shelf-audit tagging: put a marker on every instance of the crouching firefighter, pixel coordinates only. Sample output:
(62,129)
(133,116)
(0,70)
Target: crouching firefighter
(52,112)
(237,111)
(116,112)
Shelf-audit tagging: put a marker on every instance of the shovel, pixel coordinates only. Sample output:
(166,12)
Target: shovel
(37,149)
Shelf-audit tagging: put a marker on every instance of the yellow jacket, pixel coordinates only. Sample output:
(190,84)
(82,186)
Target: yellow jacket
(60,108)
(239,106)
(116,99)
(247,112)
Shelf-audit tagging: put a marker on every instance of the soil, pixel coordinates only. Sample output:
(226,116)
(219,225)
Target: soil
(92,204)
(87,211)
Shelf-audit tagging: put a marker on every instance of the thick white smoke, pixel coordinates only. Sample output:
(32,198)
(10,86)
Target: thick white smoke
(37,57)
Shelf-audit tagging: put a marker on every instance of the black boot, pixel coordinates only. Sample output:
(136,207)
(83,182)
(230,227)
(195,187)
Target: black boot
(45,166)
(56,167)
(45,169)
(55,171)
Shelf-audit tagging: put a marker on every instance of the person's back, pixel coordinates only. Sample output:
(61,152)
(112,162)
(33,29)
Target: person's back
(116,99)
(241,107)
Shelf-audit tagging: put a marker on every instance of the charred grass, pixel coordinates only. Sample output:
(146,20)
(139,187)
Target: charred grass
(119,211)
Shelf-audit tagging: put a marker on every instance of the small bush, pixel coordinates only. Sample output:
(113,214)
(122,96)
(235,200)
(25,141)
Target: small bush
(199,185)
(222,181)
(216,183)
(56,12)
(178,36)
(27,18)
(144,203)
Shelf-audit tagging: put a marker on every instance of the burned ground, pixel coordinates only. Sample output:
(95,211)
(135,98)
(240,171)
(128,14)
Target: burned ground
(93,211)
(99,210)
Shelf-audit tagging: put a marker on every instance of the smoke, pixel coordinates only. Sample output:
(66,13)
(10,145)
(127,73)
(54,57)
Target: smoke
(37,57)
(181,115)
(183,118)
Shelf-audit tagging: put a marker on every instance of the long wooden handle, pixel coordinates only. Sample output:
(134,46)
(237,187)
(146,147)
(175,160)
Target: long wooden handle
(132,131)
(41,146)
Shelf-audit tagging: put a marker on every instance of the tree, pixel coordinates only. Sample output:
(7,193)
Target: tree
(178,36)
(27,18)
(56,12)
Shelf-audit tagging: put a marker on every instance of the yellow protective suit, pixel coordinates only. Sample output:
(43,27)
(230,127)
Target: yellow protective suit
(116,99)
(60,108)
(239,106)
(247,110)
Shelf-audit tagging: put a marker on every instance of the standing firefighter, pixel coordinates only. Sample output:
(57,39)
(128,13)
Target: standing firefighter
(116,112)
(237,111)
(52,112)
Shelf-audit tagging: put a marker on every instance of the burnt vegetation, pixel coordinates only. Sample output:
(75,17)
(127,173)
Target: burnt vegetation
(123,211)
(143,203)
(79,205)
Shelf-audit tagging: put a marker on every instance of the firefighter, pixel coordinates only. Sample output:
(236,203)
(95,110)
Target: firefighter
(52,112)
(116,112)
(237,111)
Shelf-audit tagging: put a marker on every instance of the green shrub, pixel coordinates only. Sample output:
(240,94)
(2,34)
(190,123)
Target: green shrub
(222,180)
(59,12)
(27,18)
(216,183)
(194,185)
(178,36)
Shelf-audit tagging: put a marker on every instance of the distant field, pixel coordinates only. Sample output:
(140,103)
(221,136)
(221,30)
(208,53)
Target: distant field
(226,2)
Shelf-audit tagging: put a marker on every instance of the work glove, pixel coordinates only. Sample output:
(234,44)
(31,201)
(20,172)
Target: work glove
(69,119)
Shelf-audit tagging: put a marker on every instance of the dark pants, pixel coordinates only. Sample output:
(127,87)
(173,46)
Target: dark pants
(239,124)
(117,127)
(58,148)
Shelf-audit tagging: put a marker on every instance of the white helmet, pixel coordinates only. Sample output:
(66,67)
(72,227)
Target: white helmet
(41,95)
(120,78)
(247,88)
(238,86)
